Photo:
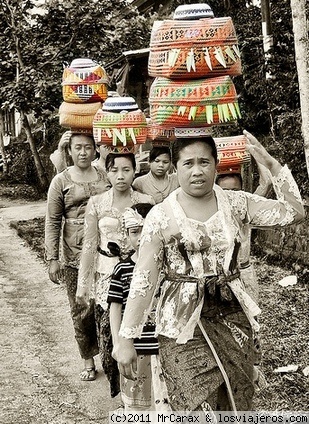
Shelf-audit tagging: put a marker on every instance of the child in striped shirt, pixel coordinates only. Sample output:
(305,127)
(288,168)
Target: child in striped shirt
(136,394)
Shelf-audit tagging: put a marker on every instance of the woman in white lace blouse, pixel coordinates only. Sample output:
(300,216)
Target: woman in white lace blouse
(105,242)
(205,319)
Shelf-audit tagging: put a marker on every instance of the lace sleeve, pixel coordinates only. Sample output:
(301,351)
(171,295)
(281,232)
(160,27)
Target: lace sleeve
(287,209)
(88,261)
(145,276)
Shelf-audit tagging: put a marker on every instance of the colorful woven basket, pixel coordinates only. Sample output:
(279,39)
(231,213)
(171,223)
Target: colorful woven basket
(232,153)
(121,132)
(194,132)
(159,135)
(78,116)
(194,49)
(84,81)
(193,103)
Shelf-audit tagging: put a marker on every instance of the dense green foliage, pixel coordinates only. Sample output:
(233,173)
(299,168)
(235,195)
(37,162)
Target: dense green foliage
(38,42)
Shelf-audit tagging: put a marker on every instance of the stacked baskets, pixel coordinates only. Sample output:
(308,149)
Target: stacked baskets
(84,89)
(193,57)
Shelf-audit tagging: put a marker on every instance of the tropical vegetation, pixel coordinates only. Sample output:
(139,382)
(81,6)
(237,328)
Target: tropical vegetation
(38,38)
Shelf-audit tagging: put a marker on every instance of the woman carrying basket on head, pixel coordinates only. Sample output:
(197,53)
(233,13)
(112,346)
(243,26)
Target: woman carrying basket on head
(105,243)
(205,319)
(68,195)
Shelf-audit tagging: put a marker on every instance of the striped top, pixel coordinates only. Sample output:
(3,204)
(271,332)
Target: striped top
(118,292)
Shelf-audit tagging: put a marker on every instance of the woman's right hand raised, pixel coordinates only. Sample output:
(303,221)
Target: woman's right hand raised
(64,140)
(260,154)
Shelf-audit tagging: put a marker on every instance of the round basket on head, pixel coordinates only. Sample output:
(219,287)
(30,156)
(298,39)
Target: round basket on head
(235,169)
(120,131)
(193,103)
(160,135)
(86,131)
(131,148)
(232,154)
(160,142)
(84,81)
(194,49)
(193,11)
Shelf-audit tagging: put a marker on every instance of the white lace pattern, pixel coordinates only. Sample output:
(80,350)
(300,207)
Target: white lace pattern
(179,248)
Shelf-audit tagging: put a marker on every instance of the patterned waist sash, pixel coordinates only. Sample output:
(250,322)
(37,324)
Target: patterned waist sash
(218,291)
(213,283)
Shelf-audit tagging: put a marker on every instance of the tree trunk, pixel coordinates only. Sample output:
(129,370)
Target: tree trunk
(25,122)
(37,161)
(301,41)
(5,169)
(266,30)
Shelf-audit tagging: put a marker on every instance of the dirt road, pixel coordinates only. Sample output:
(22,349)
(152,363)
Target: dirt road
(39,357)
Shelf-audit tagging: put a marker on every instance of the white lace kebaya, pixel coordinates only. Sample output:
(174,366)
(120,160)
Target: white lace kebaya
(103,224)
(186,252)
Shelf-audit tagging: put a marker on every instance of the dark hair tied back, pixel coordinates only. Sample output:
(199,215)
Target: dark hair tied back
(111,157)
(180,143)
(157,151)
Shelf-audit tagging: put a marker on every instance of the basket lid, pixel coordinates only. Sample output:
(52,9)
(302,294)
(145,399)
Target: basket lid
(82,63)
(119,104)
(193,11)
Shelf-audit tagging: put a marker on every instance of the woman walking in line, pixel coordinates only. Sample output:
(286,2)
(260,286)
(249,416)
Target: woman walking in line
(105,243)
(159,182)
(204,318)
(68,195)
